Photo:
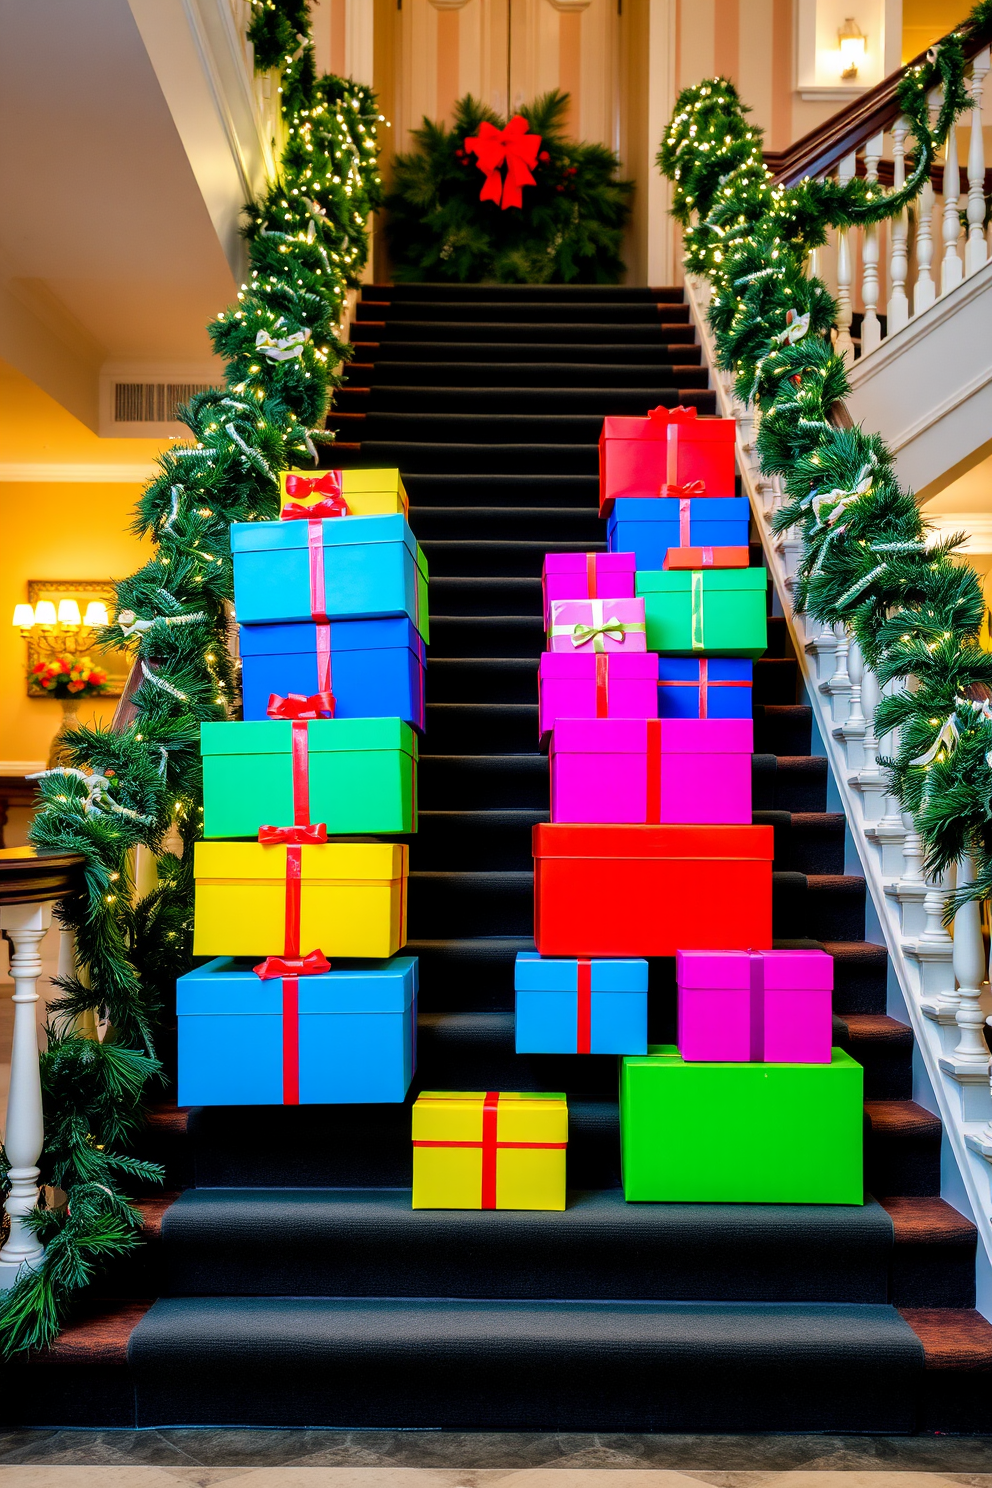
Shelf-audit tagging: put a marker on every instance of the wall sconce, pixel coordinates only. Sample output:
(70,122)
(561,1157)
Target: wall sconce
(852,49)
(62,618)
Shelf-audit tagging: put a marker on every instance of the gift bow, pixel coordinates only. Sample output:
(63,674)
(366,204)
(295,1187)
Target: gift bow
(327,484)
(294,836)
(281,348)
(512,147)
(796,327)
(583,634)
(330,506)
(690,488)
(829,506)
(680,415)
(320,705)
(314,964)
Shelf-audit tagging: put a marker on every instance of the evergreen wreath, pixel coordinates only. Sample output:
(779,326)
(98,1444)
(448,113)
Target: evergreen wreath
(569,229)
(281,343)
(869,561)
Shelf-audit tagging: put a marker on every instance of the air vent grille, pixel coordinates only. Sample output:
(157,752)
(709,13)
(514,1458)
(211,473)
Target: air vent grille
(152,402)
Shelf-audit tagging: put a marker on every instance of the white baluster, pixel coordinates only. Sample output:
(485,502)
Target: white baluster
(898,307)
(910,888)
(844,346)
(871,329)
(889,832)
(969,973)
(24,1135)
(934,950)
(951,270)
(925,291)
(976,248)
(852,730)
(822,645)
(838,686)
(869,781)
(85,1023)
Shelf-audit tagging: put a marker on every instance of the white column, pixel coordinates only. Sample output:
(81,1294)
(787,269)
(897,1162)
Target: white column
(871,330)
(844,346)
(976,249)
(869,781)
(838,686)
(925,291)
(24,1134)
(852,730)
(898,307)
(888,832)
(969,973)
(951,271)
(935,951)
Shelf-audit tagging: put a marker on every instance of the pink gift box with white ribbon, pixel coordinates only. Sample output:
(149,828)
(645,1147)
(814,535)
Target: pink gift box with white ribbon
(597,625)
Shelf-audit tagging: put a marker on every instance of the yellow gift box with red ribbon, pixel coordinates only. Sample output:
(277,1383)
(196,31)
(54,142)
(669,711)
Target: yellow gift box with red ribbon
(295,893)
(478,1149)
(356,493)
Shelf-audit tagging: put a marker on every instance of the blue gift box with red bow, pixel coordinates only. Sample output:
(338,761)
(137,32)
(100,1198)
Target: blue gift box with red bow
(291,1036)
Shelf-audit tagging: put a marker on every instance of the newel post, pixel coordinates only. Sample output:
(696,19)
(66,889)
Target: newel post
(25,925)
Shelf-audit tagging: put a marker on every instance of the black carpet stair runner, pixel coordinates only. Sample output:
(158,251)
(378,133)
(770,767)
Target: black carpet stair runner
(296,1285)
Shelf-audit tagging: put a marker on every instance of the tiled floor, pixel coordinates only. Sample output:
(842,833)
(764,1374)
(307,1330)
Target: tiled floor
(414,1459)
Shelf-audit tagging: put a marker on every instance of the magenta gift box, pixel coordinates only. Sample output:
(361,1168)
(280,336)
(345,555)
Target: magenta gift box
(739,1007)
(604,625)
(587,684)
(648,771)
(586,576)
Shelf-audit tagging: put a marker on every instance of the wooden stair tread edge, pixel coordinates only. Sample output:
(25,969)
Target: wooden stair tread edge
(953,1338)
(97,1335)
(877,1028)
(927,1221)
(906,1116)
(167,1118)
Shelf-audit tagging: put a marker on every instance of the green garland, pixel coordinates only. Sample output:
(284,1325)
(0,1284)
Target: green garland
(568,231)
(280,342)
(866,562)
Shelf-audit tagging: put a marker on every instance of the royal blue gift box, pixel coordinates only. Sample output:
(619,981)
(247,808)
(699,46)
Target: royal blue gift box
(704,687)
(648,526)
(361,567)
(377,667)
(356,1032)
(549,992)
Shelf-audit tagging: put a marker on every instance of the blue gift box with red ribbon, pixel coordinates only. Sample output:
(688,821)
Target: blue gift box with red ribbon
(332,568)
(704,686)
(580,1004)
(648,526)
(373,668)
(295,1036)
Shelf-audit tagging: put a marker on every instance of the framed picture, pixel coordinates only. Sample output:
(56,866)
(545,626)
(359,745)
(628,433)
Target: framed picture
(43,644)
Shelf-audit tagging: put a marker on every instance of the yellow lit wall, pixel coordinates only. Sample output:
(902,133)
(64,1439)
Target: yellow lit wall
(62,529)
(926,21)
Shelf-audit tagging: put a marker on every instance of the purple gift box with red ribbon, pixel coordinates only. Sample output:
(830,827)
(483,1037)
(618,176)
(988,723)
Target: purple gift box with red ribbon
(586,576)
(771,1007)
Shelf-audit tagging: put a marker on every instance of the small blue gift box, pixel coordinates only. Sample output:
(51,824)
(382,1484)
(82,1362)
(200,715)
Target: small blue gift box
(338,568)
(580,1005)
(376,667)
(352,1040)
(704,687)
(648,526)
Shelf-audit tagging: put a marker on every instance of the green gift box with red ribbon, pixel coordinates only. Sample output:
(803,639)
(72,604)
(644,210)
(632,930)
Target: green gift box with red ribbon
(359,775)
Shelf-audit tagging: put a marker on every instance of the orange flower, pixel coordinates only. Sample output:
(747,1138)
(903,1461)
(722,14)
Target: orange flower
(76,686)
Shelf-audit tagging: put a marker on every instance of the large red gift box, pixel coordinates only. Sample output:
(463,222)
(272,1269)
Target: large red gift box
(651,890)
(672,446)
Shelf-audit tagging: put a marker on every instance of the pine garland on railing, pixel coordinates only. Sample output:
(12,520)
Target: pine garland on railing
(307,244)
(869,561)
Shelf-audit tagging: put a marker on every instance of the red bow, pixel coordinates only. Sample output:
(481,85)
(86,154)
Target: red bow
(294,836)
(512,147)
(678,415)
(320,705)
(687,489)
(315,964)
(330,483)
(330,506)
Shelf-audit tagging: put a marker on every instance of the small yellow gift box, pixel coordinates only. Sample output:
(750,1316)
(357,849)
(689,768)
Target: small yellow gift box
(366,493)
(342,898)
(476,1149)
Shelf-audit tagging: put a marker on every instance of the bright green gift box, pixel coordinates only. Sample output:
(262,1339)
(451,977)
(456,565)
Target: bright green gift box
(357,775)
(705,612)
(741,1133)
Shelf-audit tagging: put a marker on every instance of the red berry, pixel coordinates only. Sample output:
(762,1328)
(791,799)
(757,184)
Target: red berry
(544,156)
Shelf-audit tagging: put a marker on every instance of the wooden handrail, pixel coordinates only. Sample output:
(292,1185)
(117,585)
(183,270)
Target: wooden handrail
(825,147)
(30,877)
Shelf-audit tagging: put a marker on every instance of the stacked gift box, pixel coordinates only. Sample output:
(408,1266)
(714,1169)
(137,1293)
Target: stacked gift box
(645,708)
(300,799)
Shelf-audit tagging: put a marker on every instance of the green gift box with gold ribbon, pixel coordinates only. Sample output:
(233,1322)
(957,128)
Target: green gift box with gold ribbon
(708,612)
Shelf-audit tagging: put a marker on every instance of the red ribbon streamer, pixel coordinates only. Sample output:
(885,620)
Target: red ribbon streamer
(324,681)
(685,512)
(704,683)
(512,147)
(297,707)
(652,811)
(294,836)
(591,591)
(301,775)
(583,1030)
(314,963)
(315,548)
(490,1119)
(291,924)
(290,1041)
(602,685)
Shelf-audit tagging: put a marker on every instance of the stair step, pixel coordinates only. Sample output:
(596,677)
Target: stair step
(903,1155)
(789,782)
(429,366)
(599,402)
(884,1049)
(572,492)
(806,841)
(488,635)
(523,294)
(783,729)
(549,525)
(506,679)
(475,839)
(933,1258)
(472,728)
(860,975)
(554,314)
(463,558)
(469,459)
(397,332)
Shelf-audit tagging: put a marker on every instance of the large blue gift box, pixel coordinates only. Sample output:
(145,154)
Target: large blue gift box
(376,667)
(352,1040)
(580,1005)
(704,687)
(648,526)
(340,568)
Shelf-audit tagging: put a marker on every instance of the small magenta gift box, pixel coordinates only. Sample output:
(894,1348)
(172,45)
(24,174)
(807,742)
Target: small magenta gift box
(601,625)
(651,771)
(587,684)
(704,687)
(581,1004)
(755,1006)
(672,446)
(586,576)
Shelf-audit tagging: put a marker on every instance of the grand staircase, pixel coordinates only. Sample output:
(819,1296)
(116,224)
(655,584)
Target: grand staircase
(295,1285)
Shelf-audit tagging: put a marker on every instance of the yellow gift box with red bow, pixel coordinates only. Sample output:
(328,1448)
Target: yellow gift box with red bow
(477,1149)
(365,493)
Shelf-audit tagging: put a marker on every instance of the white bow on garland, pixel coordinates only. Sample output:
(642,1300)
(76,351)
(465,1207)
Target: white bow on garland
(98,799)
(796,327)
(282,348)
(949,733)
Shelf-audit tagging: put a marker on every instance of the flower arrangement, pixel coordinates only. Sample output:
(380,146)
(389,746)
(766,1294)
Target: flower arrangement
(69,676)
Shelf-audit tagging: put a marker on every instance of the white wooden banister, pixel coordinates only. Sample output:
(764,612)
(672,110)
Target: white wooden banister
(976,248)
